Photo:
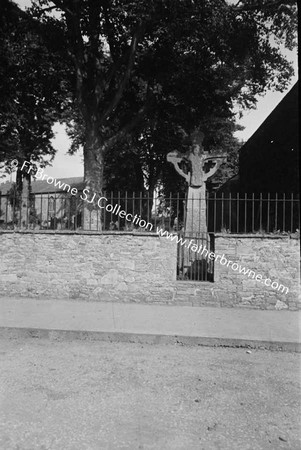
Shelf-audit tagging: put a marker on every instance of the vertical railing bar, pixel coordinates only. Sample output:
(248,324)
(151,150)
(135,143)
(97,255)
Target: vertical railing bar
(214,212)
(181,255)
(14,213)
(222,218)
(90,219)
(48,211)
(207,259)
(246,201)
(112,203)
(204,278)
(178,204)
(33,205)
(260,211)
(207,209)
(237,212)
(276,210)
(292,215)
(155,209)
(27,206)
(133,200)
(148,213)
(192,208)
(197,232)
(68,202)
(184,216)
(297,205)
(41,213)
(230,211)
(62,210)
(198,236)
(283,211)
(20,212)
(16,223)
(75,212)
(253,213)
(6,210)
(268,214)
(54,212)
(118,217)
(97,216)
(103,211)
(170,210)
(200,230)
(140,206)
(126,207)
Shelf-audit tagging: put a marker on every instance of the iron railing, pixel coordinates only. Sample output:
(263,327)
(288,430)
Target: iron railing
(193,261)
(234,213)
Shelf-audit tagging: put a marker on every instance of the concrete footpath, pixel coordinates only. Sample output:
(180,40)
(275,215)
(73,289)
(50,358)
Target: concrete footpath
(129,322)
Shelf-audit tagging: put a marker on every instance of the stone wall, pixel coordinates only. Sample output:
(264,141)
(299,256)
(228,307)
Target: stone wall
(273,257)
(106,267)
(141,267)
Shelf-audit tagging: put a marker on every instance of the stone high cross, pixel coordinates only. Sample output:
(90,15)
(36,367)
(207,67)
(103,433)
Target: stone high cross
(196,218)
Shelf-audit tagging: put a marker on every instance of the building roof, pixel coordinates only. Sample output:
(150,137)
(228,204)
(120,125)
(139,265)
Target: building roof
(42,187)
(231,185)
(268,161)
(279,126)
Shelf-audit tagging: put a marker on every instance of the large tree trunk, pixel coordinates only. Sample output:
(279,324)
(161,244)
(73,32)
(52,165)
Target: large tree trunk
(93,176)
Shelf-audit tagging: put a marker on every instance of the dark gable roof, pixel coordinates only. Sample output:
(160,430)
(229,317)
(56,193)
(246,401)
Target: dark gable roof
(268,162)
(42,187)
(280,126)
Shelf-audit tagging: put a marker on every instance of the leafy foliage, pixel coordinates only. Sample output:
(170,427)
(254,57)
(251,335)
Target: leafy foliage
(33,86)
(145,73)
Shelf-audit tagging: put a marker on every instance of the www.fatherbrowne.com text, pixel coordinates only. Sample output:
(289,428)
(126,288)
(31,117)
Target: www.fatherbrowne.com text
(202,250)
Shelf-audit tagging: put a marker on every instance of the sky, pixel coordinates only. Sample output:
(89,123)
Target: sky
(65,165)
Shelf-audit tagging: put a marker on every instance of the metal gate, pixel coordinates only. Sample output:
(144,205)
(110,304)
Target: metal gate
(193,260)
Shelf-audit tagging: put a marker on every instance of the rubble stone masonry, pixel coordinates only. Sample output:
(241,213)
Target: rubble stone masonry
(141,267)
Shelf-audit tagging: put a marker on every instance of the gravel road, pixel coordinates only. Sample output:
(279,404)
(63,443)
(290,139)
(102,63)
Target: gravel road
(96,395)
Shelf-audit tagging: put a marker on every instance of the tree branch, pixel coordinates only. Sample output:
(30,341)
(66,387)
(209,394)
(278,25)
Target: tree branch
(76,41)
(94,69)
(261,4)
(110,30)
(60,5)
(127,128)
(50,8)
(126,76)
